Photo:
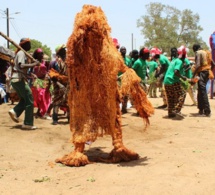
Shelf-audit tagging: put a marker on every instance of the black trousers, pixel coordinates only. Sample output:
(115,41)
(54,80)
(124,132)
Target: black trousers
(202,97)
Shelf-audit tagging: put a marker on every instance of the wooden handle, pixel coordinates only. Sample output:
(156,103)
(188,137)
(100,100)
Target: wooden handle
(17,46)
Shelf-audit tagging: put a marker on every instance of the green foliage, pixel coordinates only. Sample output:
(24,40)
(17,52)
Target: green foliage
(35,45)
(164,27)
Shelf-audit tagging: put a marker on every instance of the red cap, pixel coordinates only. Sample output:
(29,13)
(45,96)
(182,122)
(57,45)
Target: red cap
(155,51)
(115,42)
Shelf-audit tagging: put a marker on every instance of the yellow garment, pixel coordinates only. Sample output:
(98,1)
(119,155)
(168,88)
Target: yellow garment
(204,58)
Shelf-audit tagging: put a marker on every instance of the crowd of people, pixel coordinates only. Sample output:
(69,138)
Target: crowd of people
(37,84)
(44,85)
(173,77)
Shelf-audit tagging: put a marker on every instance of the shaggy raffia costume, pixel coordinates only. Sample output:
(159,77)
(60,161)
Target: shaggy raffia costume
(94,98)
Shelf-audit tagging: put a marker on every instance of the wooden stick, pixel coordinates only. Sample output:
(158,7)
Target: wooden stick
(17,46)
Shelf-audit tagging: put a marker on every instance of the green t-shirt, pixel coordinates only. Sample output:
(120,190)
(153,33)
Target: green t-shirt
(188,73)
(163,60)
(152,65)
(140,67)
(170,77)
(127,62)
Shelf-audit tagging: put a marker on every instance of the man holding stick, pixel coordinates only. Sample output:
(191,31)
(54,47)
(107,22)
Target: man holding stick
(20,84)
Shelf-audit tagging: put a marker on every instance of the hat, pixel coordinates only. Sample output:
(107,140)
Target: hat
(24,40)
(39,50)
(115,42)
(182,51)
(155,51)
(59,47)
(145,50)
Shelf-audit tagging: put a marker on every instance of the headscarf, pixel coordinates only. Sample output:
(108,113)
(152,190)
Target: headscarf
(182,51)
(22,42)
(116,44)
(59,47)
(155,51)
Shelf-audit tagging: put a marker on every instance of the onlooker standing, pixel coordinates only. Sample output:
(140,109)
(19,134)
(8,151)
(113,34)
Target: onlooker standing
(41,86)
(174,91)
(164,64)
(127,62)
(203,61)
(61,87)
(187,73)
(153,66)
(134,56)
(20,85)
(140,66)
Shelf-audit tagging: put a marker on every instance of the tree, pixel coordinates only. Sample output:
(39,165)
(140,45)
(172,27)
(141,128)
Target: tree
(165,27)
(35,45)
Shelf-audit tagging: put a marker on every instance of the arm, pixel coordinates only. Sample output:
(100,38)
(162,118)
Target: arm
(162,70)
(37,63)
(197,64)
(212,64)
(177,73)
(21,61)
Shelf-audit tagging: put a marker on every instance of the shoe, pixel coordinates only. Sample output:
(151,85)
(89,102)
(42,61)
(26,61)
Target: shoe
(207,113)
(29,127)
(179,114)
(13,116)
(124,111)
(171,115)
(47,117)
(163,106)
(54,123)
(201,112)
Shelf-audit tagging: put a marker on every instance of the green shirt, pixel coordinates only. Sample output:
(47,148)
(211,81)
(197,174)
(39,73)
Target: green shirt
(163,60)
(127,62)
(170,77)
(188,73)
(152,65)
(140,67)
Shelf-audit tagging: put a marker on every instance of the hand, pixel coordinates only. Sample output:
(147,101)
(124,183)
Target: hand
(184,78)
(37,63)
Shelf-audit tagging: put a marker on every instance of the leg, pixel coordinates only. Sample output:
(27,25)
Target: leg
(55,114)
(150,91)
(170,100)
(180,96)
(164,98)
(20,107)
(124,104)
(192,95)
(203,103)
(154,90)
(75,158)
(120,152)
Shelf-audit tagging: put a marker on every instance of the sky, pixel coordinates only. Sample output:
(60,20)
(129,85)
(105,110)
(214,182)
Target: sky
(51,22)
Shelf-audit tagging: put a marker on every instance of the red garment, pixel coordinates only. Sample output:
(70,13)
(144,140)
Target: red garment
(42,99)
(40,71)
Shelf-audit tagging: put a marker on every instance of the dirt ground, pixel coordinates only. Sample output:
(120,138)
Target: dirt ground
(176,157)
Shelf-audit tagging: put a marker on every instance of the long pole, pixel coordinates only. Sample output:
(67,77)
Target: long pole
(7,17)
(17,46)
(132,42)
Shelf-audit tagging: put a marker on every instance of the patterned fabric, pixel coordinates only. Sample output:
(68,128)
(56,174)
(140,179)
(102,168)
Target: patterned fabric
(175,97)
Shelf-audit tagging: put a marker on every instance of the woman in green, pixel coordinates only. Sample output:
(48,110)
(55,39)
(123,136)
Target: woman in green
(152,66)
(164,64)
(189,74)
(140,65)
(174,90)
